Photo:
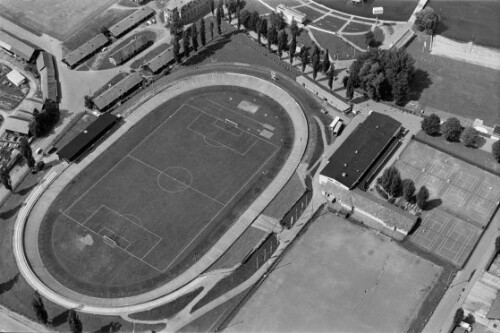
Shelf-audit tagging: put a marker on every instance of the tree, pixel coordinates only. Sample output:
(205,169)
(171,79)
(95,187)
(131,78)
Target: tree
(282,41)
(259,33)
(245,18)
(26,152)
(304,58)
(294,29)
(431,125)
(39,308)
(349,93)
(254,21)
(387,176)
(176,50)
(211,30)
(194,37)
(396,186)
(422,196)
(175,23)
(495,150)
(370,39)
(458,317)
(212,7)
(218,21)
(203,34)
(272,35)
(451,129)
(238,18)
(427,20)
(277,20)
(470,137)
(330,75)
(408,190)
(344,81)
(88,102)
(326,62)
(5,177)
(497,245)
(185,43)
(292,48)
(263,27)
(75,325)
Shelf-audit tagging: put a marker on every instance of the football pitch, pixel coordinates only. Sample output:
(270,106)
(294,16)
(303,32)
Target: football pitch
(178,187)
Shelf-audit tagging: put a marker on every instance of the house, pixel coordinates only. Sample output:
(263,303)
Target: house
(188,10)
(131,21)
(16,46)
(16,77)
(290,14)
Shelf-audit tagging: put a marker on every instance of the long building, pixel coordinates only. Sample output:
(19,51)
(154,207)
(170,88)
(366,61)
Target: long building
(48,77)
(131,21)
(116,92)
(290,14)
(16,46)
(360,151)
(86,50)
(188,10)
(162,60)
(131,49)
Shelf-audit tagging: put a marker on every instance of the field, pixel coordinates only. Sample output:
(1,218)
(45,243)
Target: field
(397,10)
(55,17)
(330,23)
(343,278)
(336,45)
(456,186)
(170,192)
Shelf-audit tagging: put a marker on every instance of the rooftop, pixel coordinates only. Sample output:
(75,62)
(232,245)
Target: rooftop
(16,46)
(161,60)
(115,92)
(131,20)
(360,150)
(18,125)
(131,48)
(86,49)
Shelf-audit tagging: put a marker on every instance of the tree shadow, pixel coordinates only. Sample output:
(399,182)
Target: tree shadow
(11,212)
(26,190)
(6,286)
(60,319)
(441,27)
(431,204)
(481,141)
(420,81)
(208,51)
(416,226)
(112,327)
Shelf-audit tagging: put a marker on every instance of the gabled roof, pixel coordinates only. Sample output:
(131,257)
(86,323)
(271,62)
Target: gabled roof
(16,46)
(360,150)
(17,125)
(86,50)
(130,21)
(161,60)
(130,49)
(115,92)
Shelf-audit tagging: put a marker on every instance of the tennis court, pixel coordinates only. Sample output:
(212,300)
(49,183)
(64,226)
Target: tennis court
(179,186)
(469,192)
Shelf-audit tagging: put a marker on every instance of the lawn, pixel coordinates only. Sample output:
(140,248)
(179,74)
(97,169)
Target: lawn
(359,40)
(339,275)
(330,23)
(151,205)
(456,87)
(149,56)
(357,27)
(311,14)
(58,18)
(397,10)
(337,46)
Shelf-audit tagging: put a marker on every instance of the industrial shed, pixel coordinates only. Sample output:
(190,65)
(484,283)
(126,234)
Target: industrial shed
(86,50)
(16,46)
(116,92)
(131,21)
(162,60)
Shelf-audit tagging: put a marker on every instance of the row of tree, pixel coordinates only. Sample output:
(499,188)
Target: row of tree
(395,187)
(27,153)
(74,322)
(45,120)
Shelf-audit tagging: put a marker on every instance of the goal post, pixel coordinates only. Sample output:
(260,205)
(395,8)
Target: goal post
(109,241)
(230,122)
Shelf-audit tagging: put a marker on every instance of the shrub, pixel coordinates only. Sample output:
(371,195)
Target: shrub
(451,129)
(495,149)
(427,20)
(422,196)
(431,125)
(470,137)
(408,190)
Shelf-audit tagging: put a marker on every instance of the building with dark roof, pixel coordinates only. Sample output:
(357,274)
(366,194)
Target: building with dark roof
(162,60)
(360,150)
(48,78)
(131,21)
(86,50)
(116,92)
(188,10)
(16,46)
(131,49)
(87,138)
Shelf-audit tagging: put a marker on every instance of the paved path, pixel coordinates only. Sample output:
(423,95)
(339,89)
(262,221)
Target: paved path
(13,322)
(128,304)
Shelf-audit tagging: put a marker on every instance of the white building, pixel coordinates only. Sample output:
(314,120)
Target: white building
(290,14)
(16,77)
(188,10)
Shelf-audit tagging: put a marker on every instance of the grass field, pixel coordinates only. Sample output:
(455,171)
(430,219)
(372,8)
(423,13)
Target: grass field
(457,87)
(336,45)
(56,17)
(342,278)
(330,23)
(459,187)
(357,27)
(172,192)
(398,10)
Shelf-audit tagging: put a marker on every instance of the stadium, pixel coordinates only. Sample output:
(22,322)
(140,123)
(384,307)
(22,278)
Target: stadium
(166,193)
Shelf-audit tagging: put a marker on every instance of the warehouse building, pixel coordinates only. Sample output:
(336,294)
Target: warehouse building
(131,21)
(188,10)
(86,51)
(16,46)
(117,92)
(162,60)
(46,67)
(135,46)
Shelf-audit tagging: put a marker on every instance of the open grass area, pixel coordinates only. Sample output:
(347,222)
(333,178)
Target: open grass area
(311,13)
(330,23)
(56,17)
(93,27)
(338,48)
(338,275)
(467,21)
(456,87)
(357,27)
(359,40)
(157,209)
(149,56)
(397,10)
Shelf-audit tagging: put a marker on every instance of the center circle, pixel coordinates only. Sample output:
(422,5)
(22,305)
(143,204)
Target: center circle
(175,179)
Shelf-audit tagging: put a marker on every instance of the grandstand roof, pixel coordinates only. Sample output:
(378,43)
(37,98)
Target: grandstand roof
(130,21)
(129,50)
(115,92)
(16,46)
(360,150)
(286,198)
(161,60)
(86,49)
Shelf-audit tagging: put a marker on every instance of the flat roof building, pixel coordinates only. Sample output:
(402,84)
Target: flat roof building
(162,60)
(116,92)
(87,138)
(131,21)
(358,153)
(86,50)
(17,125)
(16,77)
(16,46)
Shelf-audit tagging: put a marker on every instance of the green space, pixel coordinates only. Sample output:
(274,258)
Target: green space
(338,48)
(359,40)
(311,14)
(372,284)
(396,10)
(455,86)
(467,21)
(330,23)
(127,193)
(357,27)
(10,94)
(149,56)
